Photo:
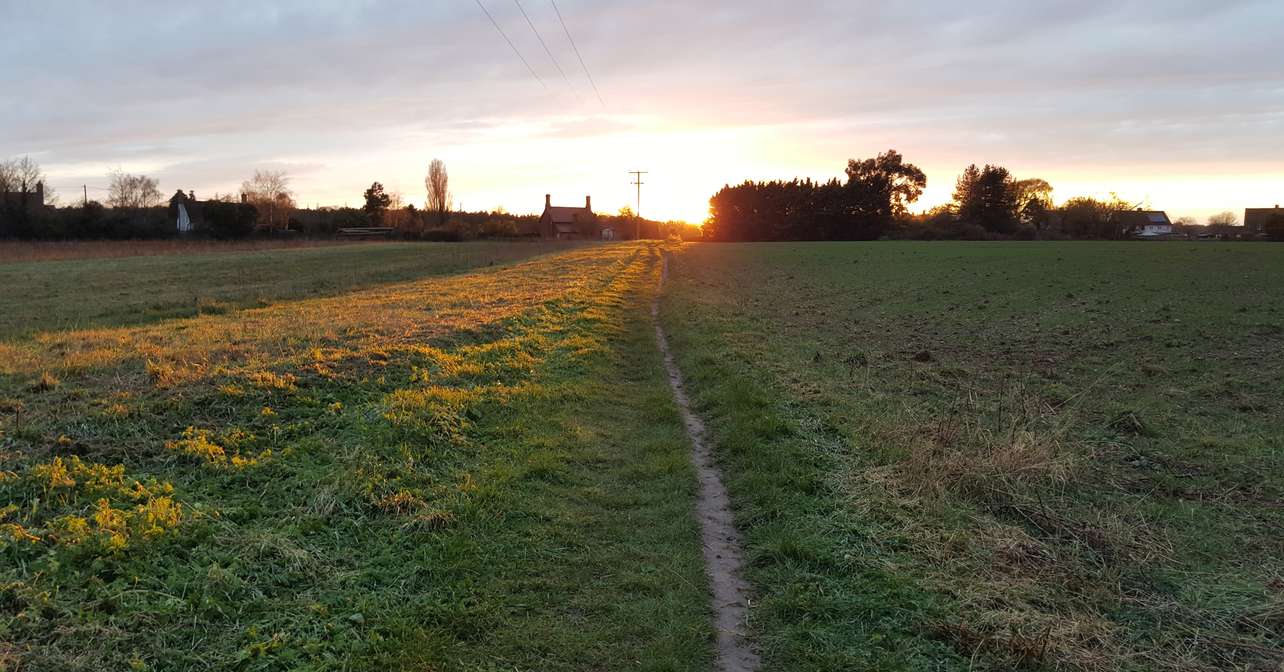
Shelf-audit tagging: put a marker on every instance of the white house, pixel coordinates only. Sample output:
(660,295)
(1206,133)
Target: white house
(1148,223)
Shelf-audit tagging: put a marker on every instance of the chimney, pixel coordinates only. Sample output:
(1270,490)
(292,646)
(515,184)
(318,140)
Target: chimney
(588,203)
(548,201)
(40,194)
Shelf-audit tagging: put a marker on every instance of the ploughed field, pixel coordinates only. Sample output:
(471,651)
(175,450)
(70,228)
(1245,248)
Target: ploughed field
(375,457)
(998,455)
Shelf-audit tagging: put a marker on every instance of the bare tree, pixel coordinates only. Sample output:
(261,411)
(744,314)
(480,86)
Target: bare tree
(21,175)
(8,176)
(133,191)
(1227,218)
(269,192)
(438,183)
(27,174)
(395,216)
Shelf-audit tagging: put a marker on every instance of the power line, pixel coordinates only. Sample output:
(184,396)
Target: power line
(541,40)
(511,45)
(577,52)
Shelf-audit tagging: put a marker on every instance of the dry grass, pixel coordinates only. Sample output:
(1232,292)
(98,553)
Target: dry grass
(116,292)
(351,477)
(985,454)
(249,343)
(111,249)
(1041,574)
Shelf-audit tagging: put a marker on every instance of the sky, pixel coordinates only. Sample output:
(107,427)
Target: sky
(1174,104)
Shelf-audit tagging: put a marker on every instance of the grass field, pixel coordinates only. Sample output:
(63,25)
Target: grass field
(57,250)
(110,290)
(943,456)
(998,456)
(480,471)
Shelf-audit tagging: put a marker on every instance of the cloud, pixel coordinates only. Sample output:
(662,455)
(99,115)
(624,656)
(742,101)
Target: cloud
(202,94)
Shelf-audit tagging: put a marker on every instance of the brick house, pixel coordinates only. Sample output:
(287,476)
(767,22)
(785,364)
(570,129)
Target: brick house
(1255,219)
(568,223)
(30,200)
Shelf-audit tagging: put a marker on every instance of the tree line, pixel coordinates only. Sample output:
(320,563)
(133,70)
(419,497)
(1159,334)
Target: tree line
(136,207)
(989,203)
(877,192)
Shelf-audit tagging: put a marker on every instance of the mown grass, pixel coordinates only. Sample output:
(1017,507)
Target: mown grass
(478,472)
(998,456)
(52,295)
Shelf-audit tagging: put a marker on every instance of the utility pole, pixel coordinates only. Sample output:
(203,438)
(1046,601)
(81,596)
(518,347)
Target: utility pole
(637,215)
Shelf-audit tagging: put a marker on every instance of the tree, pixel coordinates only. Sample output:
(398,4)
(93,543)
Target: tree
(879,190)
(1034,202)
(1224,219)
(988,197)
(22,176)
(399,215)
(8,176)
(229,220)
(269,193)
(1086,217)
(438,184)
(377,202)
(133,191)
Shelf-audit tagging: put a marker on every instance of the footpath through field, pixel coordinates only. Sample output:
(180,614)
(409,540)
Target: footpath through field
(723,556)
(482,471)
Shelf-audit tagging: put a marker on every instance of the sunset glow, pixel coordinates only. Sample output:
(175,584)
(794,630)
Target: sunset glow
(779,92)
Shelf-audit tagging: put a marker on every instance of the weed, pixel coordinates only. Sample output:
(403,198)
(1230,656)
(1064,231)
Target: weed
(47,382)
(271,381)
(200,444)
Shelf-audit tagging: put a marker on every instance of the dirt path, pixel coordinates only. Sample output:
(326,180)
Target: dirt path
(723,558)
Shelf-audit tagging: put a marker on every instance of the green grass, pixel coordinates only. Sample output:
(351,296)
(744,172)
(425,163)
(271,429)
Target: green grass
(943,457)
(476,472)
(1030,456)
(86,293)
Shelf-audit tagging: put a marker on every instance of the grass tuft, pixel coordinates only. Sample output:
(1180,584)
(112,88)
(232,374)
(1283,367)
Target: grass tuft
(47,382)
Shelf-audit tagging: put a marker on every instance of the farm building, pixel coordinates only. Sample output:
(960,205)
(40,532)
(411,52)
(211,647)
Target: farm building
(1147,223)
(31,200)
(1255,219)
(568,223)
